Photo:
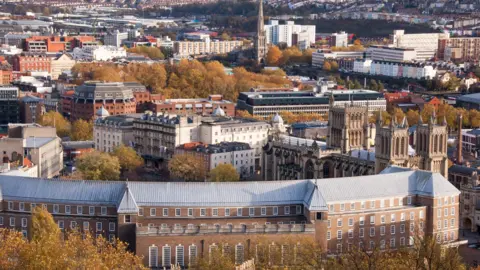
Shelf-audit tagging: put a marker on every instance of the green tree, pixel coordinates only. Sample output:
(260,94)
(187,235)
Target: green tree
(82,130)
(357,84)
(187,167)
(97,165)
(127,157)
(224,173)
(55,119)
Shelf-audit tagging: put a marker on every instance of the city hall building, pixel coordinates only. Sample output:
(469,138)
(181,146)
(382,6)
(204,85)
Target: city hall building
(176,223)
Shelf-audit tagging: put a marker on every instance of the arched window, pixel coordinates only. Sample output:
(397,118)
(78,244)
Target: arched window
(435,143)
(239,254)
(153,256)
(397,146)
(441,143)
(403,146)
(179,256)
(192,254)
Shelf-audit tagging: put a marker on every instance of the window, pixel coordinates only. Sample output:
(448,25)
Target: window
(73,225)
(79,210)
(392,218)
(400,201)
(339,248)
(239,212)
(445,212)
(165,212)
(215,212)
(372,245)
(61,224)
(239,254)
(275,210)
(402,217)
(24,222)
(350,233)
(382,244)
(392,243)
(342,207)
(263,211)
(190,212)
(402,228)
(153,212)
(452,199)
(452,222)
(372,231)
(331,208)
(445,223)
(421,214)
(402,241)
(329,235)
(99,226)
(339,222)
(86,225)
(382,203)
(392,229)
(382,230)
(153,256)
(10,205)
(103,211)
(412,215)
(21,206)
(179,258)
(91,210)
(32,206)
(409,200)
(203,212)
(362,205)
(350,222)
(361,232)
(372,204)
(111,226)
(192,254)
(412,227)
(251,211)
(177,212)
(452,211)
(298,209)
(227,212)
(339,234)
(361,221)
(439,212)
(452,235)
(372,219)
(439,224)
(68,209)
(56,208)
(127,219)
(382,219)
(287,210)
(352,206)
(12,221)
(166,256)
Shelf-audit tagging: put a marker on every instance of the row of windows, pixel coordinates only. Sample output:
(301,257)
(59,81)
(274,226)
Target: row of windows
(383,219)
(372,244)
(214,212)
(56,208)
(445,212)
(86,225)
(372,231)
(445,224)
(24,222)
(372,204)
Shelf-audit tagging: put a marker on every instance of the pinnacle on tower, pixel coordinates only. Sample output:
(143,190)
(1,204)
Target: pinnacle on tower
(404,122)
(420,120)
(444,120)
(433,118)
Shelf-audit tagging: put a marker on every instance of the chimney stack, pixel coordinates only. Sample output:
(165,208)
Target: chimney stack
(459,140)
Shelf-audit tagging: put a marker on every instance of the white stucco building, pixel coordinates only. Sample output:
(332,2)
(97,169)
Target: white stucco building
(111,131)
(426,44)
(98,53)
(392,54)
(319,56)
(395,69)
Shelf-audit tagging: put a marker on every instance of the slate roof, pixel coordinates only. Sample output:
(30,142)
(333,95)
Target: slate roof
(462,169)
(314,194)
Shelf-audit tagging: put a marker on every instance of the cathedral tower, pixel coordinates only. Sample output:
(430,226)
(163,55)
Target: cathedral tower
(260,38)
(391,144)
(432,145)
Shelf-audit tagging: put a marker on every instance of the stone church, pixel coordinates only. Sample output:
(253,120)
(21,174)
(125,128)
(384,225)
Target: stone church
(354,147)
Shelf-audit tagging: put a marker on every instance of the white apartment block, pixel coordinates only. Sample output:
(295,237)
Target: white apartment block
(339,39)
(185,48)
(426,45)
(391,54)
(319,57)
(395,69)
(98,53)
(115,39)
(112,131)
(283,33)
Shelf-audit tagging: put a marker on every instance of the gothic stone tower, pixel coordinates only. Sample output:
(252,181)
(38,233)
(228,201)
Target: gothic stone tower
(348,127)
(260,38)
(391,144)
(432,146)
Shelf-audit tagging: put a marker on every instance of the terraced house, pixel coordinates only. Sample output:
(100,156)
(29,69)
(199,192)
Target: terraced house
(171,223)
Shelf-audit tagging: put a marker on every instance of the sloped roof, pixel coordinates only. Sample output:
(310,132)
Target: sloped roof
(127,204)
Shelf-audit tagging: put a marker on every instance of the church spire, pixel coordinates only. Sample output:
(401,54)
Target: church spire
(260,39)
(260,27)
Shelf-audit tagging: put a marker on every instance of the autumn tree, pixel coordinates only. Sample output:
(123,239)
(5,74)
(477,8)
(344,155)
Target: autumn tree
(82,130)
(273,56)
(412,117)
(224,173)
(245,114)
(98,166)
(334,66)
(127,157)
(153,53)
(217,258)
(327,66)
(427,112)
(55,119)
(49,248)
(225,36)
(187,167)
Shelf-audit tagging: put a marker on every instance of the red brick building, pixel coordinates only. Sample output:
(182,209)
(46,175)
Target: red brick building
(169,223)
(73,149)
(31,62)
(409,101)
(41,44)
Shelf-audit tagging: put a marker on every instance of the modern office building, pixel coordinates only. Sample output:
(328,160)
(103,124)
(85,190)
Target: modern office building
(459,48)
(43,44)
(9,107)
(277,33)
(115,39)
(391,54)
(187,48)
(177,223)
(426,45)
(40,145)
(267,104)
(98,53)
(319,56)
